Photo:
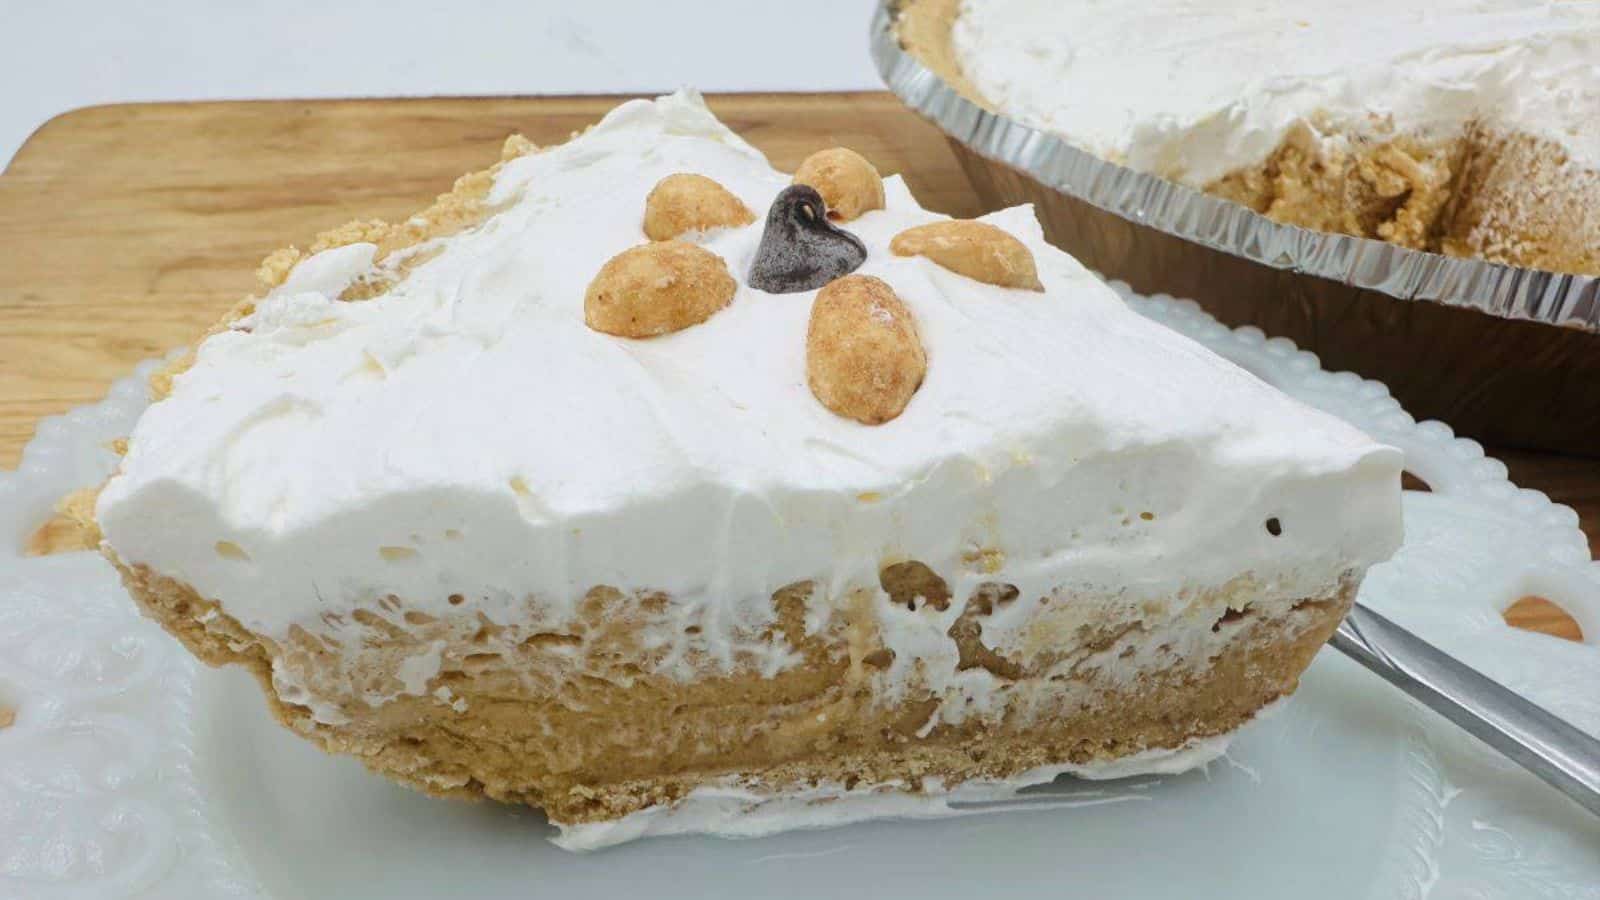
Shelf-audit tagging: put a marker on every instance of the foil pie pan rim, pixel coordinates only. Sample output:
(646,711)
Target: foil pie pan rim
(1505,291)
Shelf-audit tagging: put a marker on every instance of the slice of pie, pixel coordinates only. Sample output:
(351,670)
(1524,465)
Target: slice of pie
(1458,126)
(640,482)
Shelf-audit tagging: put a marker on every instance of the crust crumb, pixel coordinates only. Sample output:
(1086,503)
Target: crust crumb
(70,529)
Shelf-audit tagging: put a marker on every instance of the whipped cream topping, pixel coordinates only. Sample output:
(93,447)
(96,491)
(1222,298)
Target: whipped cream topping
(1195,90)
(466,433)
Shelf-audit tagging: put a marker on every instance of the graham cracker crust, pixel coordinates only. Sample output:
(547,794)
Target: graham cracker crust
(1503,197)
(574,722)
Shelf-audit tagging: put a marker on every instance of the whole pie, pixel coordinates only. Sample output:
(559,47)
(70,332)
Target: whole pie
(643,483)
(1459,126)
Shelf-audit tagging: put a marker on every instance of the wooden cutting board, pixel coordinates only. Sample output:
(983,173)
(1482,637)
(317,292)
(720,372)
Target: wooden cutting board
(126,230)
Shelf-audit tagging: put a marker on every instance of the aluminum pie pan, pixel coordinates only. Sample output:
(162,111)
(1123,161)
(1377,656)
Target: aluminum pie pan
(1508,355)
(1497,289)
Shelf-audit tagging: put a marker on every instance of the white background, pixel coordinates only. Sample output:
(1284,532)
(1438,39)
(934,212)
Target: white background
(57,55)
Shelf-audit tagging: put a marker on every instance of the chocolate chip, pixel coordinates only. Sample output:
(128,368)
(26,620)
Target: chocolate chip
(800,249)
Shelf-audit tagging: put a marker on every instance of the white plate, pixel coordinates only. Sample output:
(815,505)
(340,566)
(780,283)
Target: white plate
(132,772)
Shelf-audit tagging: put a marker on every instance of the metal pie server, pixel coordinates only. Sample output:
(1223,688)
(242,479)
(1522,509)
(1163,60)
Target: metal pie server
(1563,756)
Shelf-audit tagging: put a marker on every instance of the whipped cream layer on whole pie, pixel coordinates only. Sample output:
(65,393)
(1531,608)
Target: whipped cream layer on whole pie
(488,549)
(1463,126)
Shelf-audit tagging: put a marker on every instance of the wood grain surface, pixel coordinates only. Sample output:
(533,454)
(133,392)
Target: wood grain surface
(127,230)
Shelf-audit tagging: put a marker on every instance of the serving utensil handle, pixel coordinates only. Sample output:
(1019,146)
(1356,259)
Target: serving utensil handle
(1563,756)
